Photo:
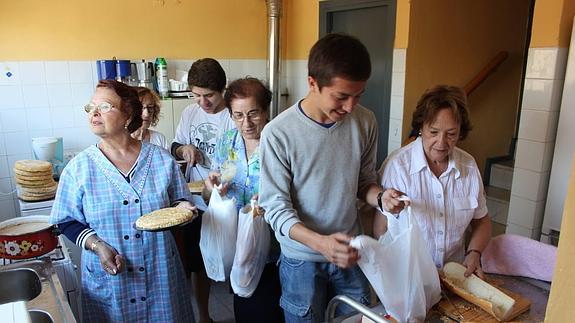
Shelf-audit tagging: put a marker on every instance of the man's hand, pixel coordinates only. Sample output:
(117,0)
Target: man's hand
(335,247)
(190,154)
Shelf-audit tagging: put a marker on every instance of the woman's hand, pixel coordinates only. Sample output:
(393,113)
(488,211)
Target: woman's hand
(213,180)
(391,202)
(112,262)
(258,210)
(473,263)
(187,206)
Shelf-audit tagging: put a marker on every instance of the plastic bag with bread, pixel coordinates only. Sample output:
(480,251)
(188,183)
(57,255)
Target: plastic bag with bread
(477,291)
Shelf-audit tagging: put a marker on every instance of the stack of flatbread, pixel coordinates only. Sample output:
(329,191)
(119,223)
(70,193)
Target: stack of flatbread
(34,179)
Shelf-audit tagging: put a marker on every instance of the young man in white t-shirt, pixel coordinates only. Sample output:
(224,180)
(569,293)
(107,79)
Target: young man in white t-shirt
(200,126)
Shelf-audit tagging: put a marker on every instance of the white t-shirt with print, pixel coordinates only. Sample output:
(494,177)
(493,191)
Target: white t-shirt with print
(202,130)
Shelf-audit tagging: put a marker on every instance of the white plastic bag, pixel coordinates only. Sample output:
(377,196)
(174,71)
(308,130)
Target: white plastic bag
(218,236)
(252,247)
(400,270)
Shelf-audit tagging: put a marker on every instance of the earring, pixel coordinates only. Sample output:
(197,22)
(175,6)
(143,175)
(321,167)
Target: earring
(419,133)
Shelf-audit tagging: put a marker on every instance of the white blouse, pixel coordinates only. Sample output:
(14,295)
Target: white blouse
(442,207)
(158,139)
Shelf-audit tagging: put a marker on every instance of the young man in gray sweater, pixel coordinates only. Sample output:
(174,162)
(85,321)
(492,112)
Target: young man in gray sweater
(317,157)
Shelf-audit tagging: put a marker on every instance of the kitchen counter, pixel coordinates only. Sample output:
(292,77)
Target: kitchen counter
(534,290)
(51,299)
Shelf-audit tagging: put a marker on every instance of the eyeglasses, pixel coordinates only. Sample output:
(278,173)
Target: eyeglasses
(103,107)
(254,115)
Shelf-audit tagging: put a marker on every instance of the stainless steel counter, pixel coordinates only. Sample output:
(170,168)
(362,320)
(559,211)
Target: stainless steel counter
(51,298)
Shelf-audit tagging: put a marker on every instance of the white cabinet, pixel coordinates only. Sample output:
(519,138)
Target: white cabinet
(178,106)
(170,112)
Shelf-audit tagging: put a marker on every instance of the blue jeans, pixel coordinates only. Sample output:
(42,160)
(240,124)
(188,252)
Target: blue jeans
(308,286)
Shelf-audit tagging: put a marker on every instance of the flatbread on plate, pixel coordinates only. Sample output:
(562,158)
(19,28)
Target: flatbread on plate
(164,219)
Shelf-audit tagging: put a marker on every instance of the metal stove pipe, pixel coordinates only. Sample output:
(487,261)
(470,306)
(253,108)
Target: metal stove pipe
(274,14)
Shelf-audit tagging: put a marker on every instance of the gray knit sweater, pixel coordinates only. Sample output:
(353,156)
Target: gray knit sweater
(312,174)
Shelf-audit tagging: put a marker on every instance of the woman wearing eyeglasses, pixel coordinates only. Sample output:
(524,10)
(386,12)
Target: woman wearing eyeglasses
(127,275)
(150,117)
(236,164)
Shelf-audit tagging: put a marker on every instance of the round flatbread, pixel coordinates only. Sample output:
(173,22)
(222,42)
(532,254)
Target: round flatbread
(43,183)
(24,173)
(164,219)
(38,190)
(42,178)
(196,187)
(33,165)
(35,198)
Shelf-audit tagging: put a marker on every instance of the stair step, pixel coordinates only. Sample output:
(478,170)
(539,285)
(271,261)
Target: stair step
(501,175)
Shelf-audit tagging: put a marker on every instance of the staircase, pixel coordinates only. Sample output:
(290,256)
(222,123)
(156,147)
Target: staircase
(498,193)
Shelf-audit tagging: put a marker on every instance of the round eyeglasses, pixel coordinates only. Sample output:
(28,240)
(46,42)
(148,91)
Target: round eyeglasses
(103,107)
(254,115)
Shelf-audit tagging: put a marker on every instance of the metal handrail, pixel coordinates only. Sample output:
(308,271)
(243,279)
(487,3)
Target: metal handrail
(332,305)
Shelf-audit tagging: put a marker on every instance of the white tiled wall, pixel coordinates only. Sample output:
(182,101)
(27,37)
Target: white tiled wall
(397,96)
(537,129)
(40,99)
(45,98)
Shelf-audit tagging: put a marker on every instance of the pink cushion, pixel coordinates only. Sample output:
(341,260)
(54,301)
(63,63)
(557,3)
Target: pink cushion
(510,254)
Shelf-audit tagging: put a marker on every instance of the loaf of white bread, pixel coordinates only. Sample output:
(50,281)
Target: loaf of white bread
(477,291)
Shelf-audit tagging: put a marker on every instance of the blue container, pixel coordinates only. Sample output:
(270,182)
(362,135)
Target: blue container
(106,69)
(123,68)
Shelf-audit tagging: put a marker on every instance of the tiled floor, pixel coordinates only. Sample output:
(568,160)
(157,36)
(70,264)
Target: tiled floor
(221,303)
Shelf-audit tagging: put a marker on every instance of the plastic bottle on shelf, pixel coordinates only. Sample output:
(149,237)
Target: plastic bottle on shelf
(162,77)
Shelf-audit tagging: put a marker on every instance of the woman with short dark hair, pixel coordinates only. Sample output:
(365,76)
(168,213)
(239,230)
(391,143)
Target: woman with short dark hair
(442,180)
(236,165)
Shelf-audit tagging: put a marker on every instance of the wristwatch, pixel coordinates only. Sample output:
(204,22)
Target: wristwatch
(379,202)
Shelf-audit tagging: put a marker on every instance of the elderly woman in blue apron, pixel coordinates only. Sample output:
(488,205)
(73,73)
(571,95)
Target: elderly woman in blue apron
(127,275)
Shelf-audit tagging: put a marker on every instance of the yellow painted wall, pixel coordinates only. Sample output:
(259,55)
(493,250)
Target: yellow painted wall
(552,21)
(450,41)
(131,29)
(402,24)
(560,306)
(301,27)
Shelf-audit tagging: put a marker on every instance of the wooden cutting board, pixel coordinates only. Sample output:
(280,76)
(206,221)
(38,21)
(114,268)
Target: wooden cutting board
(472,313)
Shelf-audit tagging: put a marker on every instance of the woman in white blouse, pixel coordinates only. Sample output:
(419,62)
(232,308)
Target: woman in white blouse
(150,117)
(442,180)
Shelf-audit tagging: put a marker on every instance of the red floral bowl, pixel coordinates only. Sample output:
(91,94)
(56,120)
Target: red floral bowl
(27,237)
